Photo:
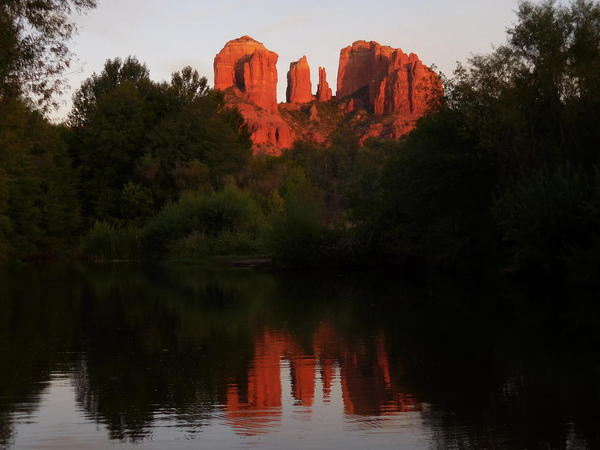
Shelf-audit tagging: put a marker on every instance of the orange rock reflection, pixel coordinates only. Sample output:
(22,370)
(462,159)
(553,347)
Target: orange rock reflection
(367,379)
(367,385)
(260,404)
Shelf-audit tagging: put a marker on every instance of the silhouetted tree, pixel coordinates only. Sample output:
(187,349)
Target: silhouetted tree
(33,45)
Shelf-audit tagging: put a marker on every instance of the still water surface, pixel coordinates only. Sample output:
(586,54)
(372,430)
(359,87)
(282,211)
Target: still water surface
(120,356)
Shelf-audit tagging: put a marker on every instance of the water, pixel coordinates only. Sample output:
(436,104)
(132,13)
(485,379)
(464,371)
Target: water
(116,356)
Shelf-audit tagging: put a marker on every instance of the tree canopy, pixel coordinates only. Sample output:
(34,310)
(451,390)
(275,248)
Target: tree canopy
(33,45)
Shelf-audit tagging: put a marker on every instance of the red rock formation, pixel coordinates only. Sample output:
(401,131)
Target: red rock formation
(387,80)
(250,67)
(299,89)
(381,92)
(269,132)
(324,93)
(246,70)
(359,64)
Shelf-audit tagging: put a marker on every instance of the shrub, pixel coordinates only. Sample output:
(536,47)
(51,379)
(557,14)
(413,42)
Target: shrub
(296,235)
(137,203)
(198,245)
(105,242)
(198,222)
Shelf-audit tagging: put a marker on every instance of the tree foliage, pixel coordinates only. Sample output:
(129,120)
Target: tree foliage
(39,208)
(502,175)
(33,45)
(164,138)
(506,171)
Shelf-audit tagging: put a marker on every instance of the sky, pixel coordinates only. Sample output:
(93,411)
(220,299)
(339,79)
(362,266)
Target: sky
(170,34)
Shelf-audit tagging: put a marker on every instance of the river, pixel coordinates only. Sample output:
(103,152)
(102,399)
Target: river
(109,356)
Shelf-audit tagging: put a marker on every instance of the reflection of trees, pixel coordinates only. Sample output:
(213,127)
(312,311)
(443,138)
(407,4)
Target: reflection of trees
(492,372)
(165,345)
(501,373)
(33,306)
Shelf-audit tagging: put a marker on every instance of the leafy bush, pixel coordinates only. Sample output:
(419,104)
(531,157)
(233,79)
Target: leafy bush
(200,221)
(296,237)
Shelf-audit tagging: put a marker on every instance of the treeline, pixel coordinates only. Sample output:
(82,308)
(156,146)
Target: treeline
(502,176)
(130,146)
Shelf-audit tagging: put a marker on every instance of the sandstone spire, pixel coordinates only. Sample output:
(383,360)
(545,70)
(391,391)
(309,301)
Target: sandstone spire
(323,91)
(299,89)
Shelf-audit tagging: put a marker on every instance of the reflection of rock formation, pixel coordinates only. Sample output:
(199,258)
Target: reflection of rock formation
(367,382)
(145,350)
(368,385)
(303,378)
(260,403)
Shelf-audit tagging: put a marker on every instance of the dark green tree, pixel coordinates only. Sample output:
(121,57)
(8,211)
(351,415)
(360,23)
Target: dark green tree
(33,45)
(39,208)
(163,138)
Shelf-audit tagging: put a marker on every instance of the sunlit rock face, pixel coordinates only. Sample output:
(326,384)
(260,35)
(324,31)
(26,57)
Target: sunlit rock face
(268,130)
(387,80)
(250,67)
(359,64)
(247,72)
(381,92)
(299,89)
(324,92)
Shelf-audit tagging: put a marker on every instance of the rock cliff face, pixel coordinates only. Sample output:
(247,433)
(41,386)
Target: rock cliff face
(324,92)
(299,89)
(269,132)
(381,92)
(385,80)
(247,72)
(247,65)
(359,64)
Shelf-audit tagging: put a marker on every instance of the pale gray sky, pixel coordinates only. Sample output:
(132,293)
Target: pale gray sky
(169,34)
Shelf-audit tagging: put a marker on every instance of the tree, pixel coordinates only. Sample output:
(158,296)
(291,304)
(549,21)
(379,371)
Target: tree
(534,100)
(116,72)
(163,138)
(39,208)
(33,45)
(113,113)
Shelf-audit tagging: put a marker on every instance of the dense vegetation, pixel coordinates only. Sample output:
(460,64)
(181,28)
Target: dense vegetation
(502,176)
